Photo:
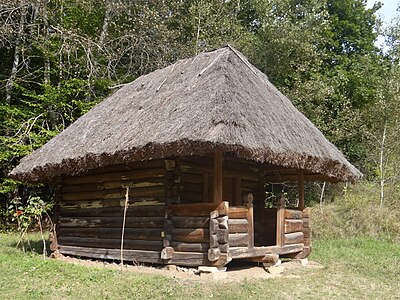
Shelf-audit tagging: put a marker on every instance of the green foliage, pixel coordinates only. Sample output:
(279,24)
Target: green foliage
(59,58)
(358,213)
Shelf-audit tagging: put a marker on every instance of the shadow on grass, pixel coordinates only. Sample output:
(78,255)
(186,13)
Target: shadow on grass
(32,245)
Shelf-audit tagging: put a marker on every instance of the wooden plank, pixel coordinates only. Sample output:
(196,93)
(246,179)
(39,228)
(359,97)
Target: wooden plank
(293,225)
(112,176)
(194,188)
(138,222)
(191,178)
(238,190)
(140,211)
(205,188)
(110,243)
(294,238)
(114,254)
(108,203)
(237,212)
(98,186)
(250,228)
(293,214)
(280,223)
(103,194)
(307,212)
(91,207)
(190,222)
(307,232)
(113,233)
(238,225)
(300,185)
(190,247)
(135,184)
(188,235)
(190,197)
(238,240)
(244,252)
(190,167)
(306,222)
(194,210)
(218,176)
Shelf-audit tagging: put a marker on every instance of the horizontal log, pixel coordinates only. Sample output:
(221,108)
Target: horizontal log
(132,202)
(113,233)
(213,254)
(110,243)
(255,185)
(115,176)
(142,211)
(293,214)
(194,210)
(191,178)
(190,235)
(293,225)
(237,212)
(293,238)
(90,204)
(190,222)
(239,240)
(194,188)
(300,255)
(307,212)
(188,167)
(117,184)
(190,247)
(245,252)
(190,197)
(100,210)
(103,194)
(114,254)
(167,253)
(129,166)
(136,222)
(238,225)
(270,258)
(135,184)
(307,232)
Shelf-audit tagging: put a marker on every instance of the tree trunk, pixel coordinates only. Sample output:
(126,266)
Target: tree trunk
(17,52)
(381,166)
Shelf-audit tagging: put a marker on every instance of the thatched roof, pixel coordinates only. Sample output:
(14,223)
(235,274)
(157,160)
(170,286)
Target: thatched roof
(216,99)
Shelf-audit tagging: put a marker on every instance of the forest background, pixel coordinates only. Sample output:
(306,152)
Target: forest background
(58,58)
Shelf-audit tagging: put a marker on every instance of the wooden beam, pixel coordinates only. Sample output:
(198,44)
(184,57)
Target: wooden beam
(300,186)
(218,175)
(280,223)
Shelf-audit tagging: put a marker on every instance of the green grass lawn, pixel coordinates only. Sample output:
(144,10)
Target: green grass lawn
(360,268)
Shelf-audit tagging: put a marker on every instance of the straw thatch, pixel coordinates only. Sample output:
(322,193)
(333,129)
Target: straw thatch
(216,99)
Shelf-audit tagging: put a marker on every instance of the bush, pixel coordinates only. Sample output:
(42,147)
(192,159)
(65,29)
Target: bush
(357,213)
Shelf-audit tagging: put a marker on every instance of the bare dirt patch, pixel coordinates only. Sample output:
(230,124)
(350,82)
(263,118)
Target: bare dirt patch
(236,271)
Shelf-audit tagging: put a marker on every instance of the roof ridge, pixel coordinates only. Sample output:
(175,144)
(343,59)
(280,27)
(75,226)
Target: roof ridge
(242,59)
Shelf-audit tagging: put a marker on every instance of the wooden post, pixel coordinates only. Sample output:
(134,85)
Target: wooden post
(280,222)
(248,202)
(218,176)
(300,186)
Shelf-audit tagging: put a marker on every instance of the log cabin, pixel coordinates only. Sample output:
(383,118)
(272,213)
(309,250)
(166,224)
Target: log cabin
(176,164)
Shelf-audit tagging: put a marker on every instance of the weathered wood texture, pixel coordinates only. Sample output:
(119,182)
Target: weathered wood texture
(91,207)
(265,226)
(178,258)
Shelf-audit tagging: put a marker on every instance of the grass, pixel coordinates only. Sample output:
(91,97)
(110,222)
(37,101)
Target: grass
(358,268)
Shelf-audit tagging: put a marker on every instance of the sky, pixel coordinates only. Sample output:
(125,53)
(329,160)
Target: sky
(387,13)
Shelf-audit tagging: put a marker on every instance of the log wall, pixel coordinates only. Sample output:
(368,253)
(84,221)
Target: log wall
(90,209)
(196,180)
